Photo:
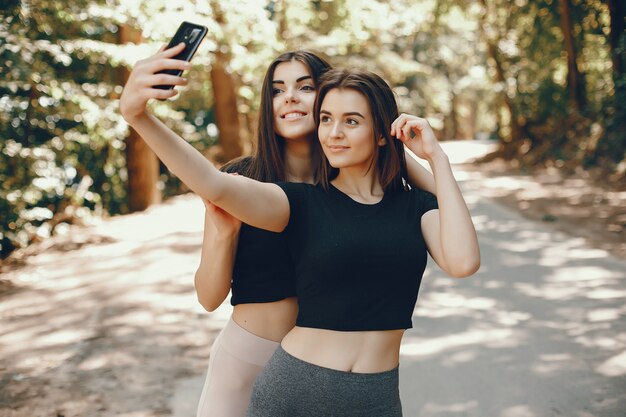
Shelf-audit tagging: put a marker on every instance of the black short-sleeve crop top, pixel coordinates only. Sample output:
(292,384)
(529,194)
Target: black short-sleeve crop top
(263,271)
(358,266)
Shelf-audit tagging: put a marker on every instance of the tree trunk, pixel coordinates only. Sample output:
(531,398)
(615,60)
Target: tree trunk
(617,9)
(283,26)
(454,117)
(575,84)
(513,139)
(508,150)
(226,112)
(141,163)
(472,118)
(225,99)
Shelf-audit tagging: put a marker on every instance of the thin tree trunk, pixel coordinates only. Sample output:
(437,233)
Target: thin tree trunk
(283,26)
(494,58)
(574,76)
(454,117)
(226,112)
(516,129)
(617,10)
(141,163)
(472,119)
(225,99)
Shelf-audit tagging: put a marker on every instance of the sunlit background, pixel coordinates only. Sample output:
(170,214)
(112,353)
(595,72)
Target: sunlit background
(103,320)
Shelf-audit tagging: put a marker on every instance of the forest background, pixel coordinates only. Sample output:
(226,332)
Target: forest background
(545,78)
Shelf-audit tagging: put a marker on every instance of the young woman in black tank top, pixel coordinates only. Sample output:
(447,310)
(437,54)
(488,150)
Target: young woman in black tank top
(262,277)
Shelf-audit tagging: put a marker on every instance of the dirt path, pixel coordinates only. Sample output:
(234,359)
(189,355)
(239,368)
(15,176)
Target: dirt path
(538,331)
(104,321)
(577,204)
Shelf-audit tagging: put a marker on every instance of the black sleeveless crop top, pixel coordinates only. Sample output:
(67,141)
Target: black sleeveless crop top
(358,267)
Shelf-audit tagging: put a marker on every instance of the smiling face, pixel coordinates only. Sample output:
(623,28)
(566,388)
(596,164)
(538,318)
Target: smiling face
(293,99)
(346,129)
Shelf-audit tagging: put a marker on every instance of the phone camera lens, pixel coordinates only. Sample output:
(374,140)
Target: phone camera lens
(194,34)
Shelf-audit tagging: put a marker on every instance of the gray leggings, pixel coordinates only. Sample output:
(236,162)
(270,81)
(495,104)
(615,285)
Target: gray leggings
(290,387)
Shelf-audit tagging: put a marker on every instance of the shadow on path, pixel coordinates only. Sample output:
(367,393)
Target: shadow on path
(538,331)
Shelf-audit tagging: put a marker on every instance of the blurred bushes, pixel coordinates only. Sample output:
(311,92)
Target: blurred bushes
(62,148)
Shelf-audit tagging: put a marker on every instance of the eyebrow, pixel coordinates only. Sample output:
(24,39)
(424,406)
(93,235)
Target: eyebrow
(352,113)
(297,81)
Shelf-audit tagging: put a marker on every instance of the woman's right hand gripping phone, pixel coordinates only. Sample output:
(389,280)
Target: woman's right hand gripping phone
(155,76)
(191,36)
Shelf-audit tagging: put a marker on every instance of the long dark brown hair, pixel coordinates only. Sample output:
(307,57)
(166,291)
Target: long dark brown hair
(268,161)
(390,163)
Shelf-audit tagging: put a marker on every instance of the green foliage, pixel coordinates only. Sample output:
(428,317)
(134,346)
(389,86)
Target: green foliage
(469,66)
(62,149)
(61,135)
(530,50)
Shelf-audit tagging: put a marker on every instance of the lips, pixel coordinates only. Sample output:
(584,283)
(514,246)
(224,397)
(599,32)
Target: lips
(337,148)
(292,115)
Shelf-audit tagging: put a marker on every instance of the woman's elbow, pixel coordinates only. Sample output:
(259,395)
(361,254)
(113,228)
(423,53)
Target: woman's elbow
(465,269)
(210,304)
(209,300)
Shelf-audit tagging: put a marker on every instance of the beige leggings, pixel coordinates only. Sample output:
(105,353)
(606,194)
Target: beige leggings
(237,358)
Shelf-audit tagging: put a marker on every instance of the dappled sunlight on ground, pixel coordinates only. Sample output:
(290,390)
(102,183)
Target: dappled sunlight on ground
(614,366)
(451,409)
(542,324)
(574,202)
(485,337)
(108,328)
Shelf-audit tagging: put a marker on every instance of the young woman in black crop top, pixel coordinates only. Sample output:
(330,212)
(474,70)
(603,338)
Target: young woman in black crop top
(262,275)
(359,270)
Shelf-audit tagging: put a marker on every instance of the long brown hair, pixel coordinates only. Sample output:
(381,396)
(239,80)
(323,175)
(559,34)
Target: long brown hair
(390,163)
(268,161)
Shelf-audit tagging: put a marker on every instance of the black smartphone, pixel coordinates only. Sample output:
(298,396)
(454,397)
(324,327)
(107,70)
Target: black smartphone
(191,34)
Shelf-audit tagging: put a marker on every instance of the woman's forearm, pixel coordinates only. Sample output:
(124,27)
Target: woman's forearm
(214,274)
(459,242)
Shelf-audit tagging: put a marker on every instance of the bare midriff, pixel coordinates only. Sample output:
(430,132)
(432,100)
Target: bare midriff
(359,352)
(270,321)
